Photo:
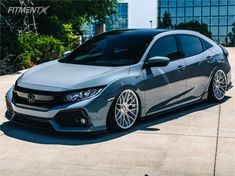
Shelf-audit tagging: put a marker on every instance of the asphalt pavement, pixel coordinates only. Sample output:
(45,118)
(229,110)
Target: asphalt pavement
(198,140)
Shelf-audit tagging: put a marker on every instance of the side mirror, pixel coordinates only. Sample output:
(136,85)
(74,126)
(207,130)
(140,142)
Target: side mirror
(157,61)
(67,53)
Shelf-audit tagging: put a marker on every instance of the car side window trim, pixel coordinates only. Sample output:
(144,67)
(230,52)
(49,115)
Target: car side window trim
(177,45)
(205,43)
(181,45)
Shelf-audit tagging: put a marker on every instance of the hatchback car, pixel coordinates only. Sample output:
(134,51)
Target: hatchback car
(115,78)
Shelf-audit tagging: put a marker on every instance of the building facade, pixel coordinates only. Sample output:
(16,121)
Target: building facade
(134,14)
(130,14)
(120,19)
(219,15)
(114,22)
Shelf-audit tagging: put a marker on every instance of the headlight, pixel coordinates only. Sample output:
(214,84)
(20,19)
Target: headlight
(82,95)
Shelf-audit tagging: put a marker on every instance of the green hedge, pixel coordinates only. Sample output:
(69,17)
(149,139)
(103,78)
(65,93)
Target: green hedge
(37,48)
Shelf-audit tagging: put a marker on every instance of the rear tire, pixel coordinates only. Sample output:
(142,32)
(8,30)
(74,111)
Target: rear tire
(218,87)
(124,111)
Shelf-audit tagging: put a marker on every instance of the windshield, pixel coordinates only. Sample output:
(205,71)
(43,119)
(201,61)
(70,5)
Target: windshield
(109,50)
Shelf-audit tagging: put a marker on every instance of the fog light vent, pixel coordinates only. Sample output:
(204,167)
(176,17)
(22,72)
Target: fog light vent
(72,118)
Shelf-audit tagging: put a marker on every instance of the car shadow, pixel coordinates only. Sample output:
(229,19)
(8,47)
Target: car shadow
(40,136)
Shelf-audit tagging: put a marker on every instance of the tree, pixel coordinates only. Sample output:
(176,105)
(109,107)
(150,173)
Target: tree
(75,13)
(166,21)
(69,11)
(196,26)
(63,21)
(231,36)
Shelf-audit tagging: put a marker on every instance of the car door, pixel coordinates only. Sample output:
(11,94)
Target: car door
(165,85)
(199,61)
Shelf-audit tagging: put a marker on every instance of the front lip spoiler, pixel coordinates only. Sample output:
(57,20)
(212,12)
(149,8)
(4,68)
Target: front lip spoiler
(55,126)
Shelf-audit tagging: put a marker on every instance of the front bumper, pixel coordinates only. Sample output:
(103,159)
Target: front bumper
(63,118)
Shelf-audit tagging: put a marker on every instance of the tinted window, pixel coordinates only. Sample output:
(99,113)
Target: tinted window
(191,45)
(205,44)
(115,49)
(166,47)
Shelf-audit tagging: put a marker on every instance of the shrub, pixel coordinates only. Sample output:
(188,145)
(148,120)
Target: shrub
(37,48)
(9,46)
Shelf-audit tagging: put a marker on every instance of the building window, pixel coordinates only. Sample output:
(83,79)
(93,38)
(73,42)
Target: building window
(206,20)
(222,30)
(180,12)
(214,30)
(172,3)
(180,3)
(223,10)
(189,11)
(206,2)
(172,11)
(231,10)
(119,20)
(164,3)
(214,11)
(205,11)
(197,11)
(198,3)
(188,3)
(214,21)
(219,15)
(223,20)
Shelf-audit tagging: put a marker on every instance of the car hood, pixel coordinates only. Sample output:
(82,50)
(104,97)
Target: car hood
(56,76)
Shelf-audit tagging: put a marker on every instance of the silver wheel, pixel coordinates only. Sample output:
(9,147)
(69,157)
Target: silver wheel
(126,109)
(219,85)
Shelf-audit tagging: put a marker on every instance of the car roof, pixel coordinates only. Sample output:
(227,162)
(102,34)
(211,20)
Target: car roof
(150,33)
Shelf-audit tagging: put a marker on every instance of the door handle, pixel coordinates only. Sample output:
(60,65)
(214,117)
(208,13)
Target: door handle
(181,68)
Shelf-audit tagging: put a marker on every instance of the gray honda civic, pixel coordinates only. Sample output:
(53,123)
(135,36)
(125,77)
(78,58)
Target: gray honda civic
(117,77)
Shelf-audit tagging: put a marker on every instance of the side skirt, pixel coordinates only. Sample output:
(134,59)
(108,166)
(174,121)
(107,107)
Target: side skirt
(176,107)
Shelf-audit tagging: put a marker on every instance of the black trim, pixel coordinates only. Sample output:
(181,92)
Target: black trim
(58,97)
(53,93)
(33,121)
(72,118)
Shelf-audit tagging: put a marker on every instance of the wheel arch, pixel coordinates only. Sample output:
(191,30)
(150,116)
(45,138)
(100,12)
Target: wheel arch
(123,88)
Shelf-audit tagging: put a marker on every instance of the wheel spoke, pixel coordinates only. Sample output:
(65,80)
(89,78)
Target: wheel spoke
(126,109)
(128,119)
(132,113)
(118,114)
(219,85)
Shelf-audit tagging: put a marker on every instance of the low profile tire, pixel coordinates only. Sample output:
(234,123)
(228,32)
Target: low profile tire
(124,111)
(218,86)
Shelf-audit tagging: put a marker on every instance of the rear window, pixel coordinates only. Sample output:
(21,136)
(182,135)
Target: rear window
(191,45)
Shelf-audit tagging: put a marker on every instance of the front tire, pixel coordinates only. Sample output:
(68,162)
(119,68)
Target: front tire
(218,86)
(124,111)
